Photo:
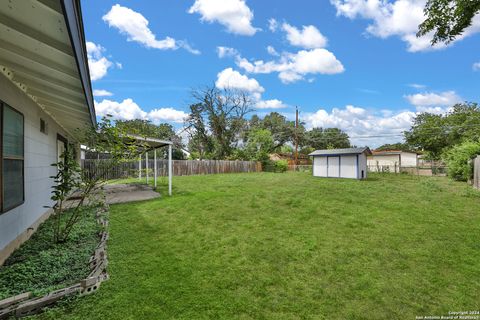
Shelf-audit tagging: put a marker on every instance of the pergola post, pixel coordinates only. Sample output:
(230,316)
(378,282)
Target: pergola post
(169,169)
(140,167)
(146,165)
(155,168)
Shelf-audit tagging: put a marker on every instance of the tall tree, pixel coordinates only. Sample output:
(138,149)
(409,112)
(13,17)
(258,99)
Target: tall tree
(448,18)
(146,128)
(435,133)
(395,146)
(329,138)
(283,130)
(218,118)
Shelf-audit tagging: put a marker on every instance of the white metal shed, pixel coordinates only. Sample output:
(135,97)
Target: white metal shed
(341,163)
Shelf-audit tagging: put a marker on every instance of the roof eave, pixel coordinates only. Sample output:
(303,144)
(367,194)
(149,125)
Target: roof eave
(73,20)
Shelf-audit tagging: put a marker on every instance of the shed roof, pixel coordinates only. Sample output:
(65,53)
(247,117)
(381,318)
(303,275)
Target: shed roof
(331,152)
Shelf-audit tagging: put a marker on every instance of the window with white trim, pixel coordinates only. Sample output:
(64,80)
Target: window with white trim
(12,154)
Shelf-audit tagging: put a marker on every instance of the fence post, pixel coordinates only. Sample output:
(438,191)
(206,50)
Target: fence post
(140,167)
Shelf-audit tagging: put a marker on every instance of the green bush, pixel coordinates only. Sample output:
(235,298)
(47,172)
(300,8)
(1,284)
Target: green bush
(281,165)
(458,160)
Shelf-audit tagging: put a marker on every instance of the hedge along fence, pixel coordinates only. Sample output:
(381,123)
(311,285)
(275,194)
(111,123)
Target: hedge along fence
(476,172)
(180,167)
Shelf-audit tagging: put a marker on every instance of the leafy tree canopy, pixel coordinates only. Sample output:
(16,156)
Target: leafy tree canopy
(395,146)
(448,18)
(329,138)
(146,128)
(435,133)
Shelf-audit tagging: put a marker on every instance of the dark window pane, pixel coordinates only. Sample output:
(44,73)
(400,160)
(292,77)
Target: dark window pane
(12,133)
(12,183)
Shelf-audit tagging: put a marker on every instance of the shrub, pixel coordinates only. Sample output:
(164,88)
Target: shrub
(458,160)
(281,165)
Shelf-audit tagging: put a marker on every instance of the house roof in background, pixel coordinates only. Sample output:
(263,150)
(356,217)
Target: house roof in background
(332,152)
(390,152)
(43,52)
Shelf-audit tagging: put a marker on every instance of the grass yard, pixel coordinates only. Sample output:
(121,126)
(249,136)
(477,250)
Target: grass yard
(291,246)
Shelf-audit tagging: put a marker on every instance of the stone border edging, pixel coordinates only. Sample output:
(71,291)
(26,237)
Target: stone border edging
(22,305)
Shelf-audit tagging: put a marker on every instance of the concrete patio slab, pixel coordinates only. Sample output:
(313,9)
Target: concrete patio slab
(122,193)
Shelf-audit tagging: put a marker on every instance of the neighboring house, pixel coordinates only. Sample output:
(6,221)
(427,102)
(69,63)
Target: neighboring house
(391,160)
(45,96)
(341,163)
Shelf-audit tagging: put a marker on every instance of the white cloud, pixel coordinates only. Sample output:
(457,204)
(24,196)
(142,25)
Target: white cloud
(167,114)
(271,50)
(365,127)
(129,110)
(476,66)
(223,52)
(426,100)
(125,110)
(417,86)
(397,18)
(97,63)
(235,15)
(231,79)
(102,93)
(270,104)
(309,37)
(135,26)
(292,67)
(272,25)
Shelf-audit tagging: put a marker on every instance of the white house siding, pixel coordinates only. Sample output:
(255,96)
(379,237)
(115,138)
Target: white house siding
(349,166)
(409,159)
(384,160)
(392,161)
(40,152)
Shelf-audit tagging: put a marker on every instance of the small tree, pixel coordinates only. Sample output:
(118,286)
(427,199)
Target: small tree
(106,138)
(67,180)
(260,144)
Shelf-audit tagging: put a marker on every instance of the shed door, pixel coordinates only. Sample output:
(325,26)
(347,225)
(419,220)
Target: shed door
(334,166)
(348,166)
(320,166)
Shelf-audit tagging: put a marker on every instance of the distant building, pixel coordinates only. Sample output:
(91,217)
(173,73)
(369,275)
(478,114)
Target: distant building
(391,160)
(341,163)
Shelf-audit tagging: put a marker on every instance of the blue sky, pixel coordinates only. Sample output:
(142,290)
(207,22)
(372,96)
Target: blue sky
(352,64)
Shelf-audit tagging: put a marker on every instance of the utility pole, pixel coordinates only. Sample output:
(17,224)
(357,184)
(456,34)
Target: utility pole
(296,136)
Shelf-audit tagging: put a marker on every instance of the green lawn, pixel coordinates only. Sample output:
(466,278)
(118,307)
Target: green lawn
(291,246)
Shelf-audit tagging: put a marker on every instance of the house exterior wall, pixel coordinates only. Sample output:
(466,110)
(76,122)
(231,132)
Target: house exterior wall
(340,166)
(39,153)
(409,159)
(379,162)
(384,160)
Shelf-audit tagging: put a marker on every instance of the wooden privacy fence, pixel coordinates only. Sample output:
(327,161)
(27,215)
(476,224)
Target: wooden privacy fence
(476,172)
(180,168)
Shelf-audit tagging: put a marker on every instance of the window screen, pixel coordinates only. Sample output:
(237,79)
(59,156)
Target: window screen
(12,158)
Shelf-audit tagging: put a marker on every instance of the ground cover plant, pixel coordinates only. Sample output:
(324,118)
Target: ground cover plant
(291,246)
(41,265)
